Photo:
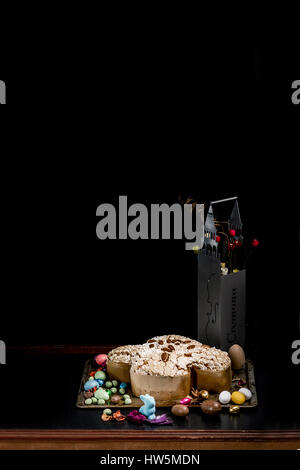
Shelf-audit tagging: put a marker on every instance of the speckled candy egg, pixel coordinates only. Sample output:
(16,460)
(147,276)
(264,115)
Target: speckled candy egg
(238,398)
(100,393)
(225,397)
(100,375)
(90,384)
(237,356)
(101,359)
(246,392)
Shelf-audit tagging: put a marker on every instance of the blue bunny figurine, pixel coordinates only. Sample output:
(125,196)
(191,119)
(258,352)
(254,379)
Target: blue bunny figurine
(148,409)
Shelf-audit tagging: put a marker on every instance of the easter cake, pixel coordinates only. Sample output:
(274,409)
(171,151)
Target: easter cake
(168,366)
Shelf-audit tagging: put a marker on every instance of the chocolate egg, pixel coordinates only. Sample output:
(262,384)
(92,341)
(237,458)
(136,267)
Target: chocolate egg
(115,399)
(211,407)
(237,356)
(180,410)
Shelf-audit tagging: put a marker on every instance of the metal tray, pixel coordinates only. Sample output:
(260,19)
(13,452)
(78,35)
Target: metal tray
(246,374)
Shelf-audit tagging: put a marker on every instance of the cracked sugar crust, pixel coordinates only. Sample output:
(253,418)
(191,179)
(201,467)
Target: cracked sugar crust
(123,354)
(170,355)
(173,355)
(159,363)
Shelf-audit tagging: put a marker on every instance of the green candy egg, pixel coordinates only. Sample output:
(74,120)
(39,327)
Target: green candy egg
(100,375)
(91,378)
(122,391)
(108,384)
(101,401)
(115,383)
(113,390)
(94,400)
(107,411)
(88,401)
(128,401)
(100,393)
(126,396)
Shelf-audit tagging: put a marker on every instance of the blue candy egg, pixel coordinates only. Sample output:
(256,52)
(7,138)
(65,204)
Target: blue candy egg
(90,384)
(123,385)
(100,382)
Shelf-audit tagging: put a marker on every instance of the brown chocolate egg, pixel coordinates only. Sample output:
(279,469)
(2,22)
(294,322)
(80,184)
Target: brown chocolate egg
(180,410)
(237,356)
(211,407)
(115,399)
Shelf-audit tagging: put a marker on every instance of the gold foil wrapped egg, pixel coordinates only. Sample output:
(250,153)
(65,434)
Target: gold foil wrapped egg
(204,395)
(234,409)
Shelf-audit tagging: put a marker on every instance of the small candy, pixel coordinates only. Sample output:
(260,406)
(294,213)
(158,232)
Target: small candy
(115,383)
(128,401)
(108,384)
(238,398)
(115,399)
(246,392)
(107,411)
(180,410)
(122,391)
(100,375)
(94,400)
(186,401)
(106,417)
(88,401)
(91,378)
(113,390)
(123,385)
(211,407)
(126,396)
(101,401)
(100,382)
(101,359)
(224,397)
(109,392)
(118,416)
(204,394)
(234,409)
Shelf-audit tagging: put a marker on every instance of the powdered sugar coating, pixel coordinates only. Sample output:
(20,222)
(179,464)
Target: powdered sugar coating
(170,356)
(123,354)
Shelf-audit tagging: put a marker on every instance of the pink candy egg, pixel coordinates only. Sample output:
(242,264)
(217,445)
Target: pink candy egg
(185,401)
(101,359)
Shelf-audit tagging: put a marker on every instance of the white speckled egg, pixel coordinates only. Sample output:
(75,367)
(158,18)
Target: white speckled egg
(246,392)
(224,397)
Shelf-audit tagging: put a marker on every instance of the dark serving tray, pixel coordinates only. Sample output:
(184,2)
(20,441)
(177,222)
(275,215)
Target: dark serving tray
(246,374)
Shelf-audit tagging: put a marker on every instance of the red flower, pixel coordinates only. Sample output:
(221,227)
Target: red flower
(232,232)
(218,238)
(238,243)
(254,243)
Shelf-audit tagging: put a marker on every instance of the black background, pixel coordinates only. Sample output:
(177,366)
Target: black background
(152,113)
